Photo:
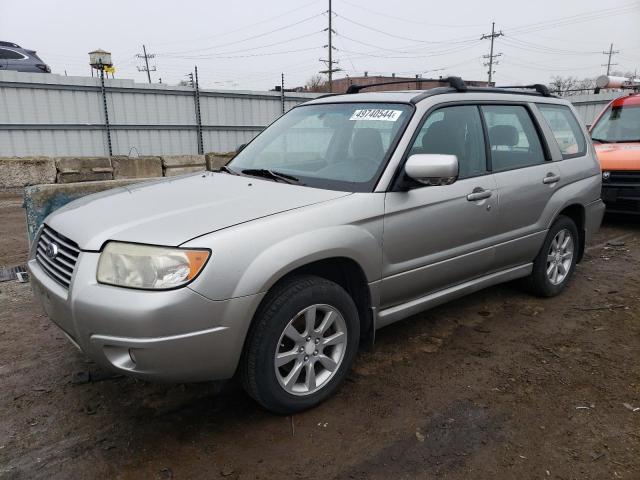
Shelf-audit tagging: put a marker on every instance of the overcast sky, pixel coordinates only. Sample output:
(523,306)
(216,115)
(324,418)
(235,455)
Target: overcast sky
(247,44)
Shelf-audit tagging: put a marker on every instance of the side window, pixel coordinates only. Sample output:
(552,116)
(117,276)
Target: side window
(513,138)
(6,54)
(566,129)
(455,131)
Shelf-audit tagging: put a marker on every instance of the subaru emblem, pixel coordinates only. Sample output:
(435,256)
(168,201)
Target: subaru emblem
(52,250)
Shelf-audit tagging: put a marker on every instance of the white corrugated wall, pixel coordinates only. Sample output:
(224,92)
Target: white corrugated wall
(53,115)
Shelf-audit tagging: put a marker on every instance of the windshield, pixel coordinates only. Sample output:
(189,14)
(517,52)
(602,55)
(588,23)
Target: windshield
(339,146)
(618,124)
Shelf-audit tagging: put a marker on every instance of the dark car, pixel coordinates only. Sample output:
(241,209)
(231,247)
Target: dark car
(14,57)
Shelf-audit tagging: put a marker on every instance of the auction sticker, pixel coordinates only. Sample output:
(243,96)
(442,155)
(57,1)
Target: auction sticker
(376,114)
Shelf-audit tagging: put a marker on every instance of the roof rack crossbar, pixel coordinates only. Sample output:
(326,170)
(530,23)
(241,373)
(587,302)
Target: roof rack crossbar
(538,87)
(455,82)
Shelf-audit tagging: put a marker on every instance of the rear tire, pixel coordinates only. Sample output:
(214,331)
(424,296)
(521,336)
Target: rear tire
(301,346)
(555,263)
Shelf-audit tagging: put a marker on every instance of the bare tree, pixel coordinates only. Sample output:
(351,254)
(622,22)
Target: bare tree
(620,73)
(315,84)
(567,86)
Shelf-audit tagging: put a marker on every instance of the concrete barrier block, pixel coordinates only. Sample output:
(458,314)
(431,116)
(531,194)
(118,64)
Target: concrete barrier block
(83,169)
(23,171)
(141,167)
(173,165)
(217,160)
(41,200)
(175,171)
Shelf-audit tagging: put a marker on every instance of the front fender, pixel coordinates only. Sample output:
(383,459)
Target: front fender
(347,241)
(249,258)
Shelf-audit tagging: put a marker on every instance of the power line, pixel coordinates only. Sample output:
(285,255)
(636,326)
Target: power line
(491,55)
(252,37)
(573,19)
(413,55)
(415,40)
(416,22)
(411,52)
(265,54)
(146,57)
(244,27)
(536,47)
(250,49)
(610,53)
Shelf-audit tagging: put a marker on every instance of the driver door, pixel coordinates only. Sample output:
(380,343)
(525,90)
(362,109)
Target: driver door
(439,236)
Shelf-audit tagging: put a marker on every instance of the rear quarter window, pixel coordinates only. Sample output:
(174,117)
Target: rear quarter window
(566,130)
(6,54)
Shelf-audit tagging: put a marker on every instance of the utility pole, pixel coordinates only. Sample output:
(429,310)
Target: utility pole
(330,61)
(198,115)
(610,53)
(146,62)
(491,56)
(282,91)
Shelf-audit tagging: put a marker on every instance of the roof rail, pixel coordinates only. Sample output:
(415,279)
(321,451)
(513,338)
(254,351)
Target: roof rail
(455,82)
(538,87)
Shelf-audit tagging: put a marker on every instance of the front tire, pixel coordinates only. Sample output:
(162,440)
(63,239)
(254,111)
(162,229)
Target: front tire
(556,261)
(301,346)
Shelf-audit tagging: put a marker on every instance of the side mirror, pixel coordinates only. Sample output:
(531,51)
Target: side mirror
(432,168)
(240,148)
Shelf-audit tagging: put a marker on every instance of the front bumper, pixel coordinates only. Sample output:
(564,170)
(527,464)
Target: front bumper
(593,214)
(177,335)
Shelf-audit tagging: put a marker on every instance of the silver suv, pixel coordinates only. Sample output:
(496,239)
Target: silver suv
(347,214)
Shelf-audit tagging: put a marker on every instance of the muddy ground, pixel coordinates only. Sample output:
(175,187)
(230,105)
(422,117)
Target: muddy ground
(497,385)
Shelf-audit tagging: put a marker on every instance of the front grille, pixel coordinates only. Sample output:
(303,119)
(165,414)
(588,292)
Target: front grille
(623,178)
(59,267)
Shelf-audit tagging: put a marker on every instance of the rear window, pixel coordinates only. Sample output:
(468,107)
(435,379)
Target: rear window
(513,138)
(566,130)
(6,54)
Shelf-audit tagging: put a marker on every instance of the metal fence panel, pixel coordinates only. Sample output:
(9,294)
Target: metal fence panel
(44,114)
(590,105)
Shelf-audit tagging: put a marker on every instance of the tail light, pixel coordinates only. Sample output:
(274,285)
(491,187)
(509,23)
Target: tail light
(43,67)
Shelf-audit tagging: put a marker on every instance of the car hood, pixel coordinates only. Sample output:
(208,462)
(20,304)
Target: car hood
(618,156)
(173,211)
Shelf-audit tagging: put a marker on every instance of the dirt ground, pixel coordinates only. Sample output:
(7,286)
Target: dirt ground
(497,385)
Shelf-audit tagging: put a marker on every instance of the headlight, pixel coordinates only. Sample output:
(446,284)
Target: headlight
(147,267)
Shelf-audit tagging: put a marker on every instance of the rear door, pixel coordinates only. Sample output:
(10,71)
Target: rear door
(439,236)
(12,59)
(526,178)
(4,54)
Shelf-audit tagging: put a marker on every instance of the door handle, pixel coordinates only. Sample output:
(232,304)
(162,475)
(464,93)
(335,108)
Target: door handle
(478,194)
(550,178)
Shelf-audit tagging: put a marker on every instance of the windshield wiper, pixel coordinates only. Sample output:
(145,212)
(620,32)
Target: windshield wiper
(272,174)
(600,140)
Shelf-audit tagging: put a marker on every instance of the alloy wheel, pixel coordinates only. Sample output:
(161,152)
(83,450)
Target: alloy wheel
(310,350)
(560,257)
